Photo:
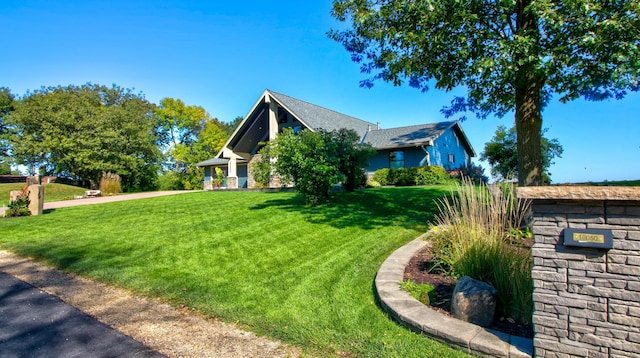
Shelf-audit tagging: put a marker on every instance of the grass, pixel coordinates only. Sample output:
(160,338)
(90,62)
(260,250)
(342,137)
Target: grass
(264,260)
(52,191)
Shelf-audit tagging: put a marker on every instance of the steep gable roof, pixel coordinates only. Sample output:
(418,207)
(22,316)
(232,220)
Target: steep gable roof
(316,117)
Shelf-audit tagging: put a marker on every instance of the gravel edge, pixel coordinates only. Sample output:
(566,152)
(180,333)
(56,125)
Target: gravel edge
(170,331)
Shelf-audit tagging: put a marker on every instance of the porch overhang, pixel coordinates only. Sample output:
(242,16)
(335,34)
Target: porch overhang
(213,162)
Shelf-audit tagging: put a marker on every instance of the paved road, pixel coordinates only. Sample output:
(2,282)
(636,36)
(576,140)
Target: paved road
(36,324)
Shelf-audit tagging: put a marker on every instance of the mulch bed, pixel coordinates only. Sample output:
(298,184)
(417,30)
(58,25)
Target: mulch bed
(423,269)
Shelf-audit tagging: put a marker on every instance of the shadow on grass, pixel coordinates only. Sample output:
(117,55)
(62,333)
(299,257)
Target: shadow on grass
(408,207)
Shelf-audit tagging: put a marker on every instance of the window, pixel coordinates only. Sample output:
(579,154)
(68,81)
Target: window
(396,159)
(452,158)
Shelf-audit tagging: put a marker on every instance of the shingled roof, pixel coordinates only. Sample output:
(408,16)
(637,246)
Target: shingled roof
(410,136)
(316,117)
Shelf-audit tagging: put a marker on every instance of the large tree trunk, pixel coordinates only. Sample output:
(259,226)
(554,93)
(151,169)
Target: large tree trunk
(529,133)
(529,82)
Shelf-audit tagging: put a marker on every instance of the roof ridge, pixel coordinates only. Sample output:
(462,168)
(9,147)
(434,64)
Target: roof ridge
(318,106)
(415,125)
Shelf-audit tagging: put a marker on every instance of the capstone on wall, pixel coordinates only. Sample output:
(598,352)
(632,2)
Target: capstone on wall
(586,300)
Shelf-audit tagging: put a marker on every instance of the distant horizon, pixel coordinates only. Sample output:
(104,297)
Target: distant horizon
(222,56)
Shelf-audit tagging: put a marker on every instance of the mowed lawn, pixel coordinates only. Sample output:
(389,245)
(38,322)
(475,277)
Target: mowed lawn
(264,260)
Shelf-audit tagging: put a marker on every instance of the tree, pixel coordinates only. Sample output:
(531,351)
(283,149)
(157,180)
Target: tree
(82,131)
(511,55)
(314,161)
(188,135)
(230,127)
(6,107)
(502,154)
(350,157)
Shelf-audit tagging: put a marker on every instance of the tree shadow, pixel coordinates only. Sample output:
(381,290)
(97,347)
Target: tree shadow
(408,207)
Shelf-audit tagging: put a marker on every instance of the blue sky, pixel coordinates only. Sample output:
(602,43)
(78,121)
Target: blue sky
(221,55)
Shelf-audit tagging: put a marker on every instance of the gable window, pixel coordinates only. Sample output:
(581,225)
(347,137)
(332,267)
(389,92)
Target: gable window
(396,159)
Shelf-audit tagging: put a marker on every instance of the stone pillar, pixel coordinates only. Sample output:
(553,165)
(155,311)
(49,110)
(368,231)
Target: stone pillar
(232,182)
(586,270)
(33,180)
(36,199)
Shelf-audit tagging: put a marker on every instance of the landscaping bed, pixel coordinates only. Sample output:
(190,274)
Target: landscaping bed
(423,269)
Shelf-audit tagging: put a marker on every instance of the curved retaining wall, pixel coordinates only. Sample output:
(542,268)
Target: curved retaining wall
(420,318)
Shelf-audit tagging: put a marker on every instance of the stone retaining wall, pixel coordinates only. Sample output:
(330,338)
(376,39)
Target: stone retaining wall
(586,300)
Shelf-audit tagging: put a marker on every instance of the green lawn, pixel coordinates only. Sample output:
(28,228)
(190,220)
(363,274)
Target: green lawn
(52,191)
(303,275)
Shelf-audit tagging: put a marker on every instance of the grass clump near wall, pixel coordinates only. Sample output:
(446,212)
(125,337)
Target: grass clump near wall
(303,275)
(478,234)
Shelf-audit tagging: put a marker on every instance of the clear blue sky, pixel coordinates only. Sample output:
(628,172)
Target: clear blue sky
(221,55)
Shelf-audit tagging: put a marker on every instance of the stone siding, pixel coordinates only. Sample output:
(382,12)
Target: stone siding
(586,300)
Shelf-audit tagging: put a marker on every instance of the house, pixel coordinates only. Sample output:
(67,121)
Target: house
(443,143)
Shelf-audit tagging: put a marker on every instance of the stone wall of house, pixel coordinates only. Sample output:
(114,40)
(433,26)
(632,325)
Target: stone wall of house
(251,183)
(275,181)
(586,300)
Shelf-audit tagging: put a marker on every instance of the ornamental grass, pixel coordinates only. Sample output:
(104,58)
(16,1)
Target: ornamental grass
(479,234)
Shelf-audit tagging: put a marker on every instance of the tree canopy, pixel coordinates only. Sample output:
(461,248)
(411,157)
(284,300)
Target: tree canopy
(6,107)
(510,55)
(188,135)
(502,154)
(83,131)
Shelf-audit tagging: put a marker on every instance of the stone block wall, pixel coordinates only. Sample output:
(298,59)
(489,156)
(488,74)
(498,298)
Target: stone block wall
(586,300)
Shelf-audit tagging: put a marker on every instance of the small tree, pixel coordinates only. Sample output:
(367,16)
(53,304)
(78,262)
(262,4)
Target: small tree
(314,161)
(502,154)
(349,156)
(218,179)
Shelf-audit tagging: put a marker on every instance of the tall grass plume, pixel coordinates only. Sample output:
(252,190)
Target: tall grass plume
(110,184)
(480,235)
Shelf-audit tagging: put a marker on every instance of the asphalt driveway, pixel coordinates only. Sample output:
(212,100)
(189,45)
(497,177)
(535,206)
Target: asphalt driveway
(36,324)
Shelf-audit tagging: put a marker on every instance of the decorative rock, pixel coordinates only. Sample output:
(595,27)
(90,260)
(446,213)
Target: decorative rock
(474,301)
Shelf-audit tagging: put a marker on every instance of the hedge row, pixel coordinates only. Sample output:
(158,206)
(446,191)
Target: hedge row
(428,175)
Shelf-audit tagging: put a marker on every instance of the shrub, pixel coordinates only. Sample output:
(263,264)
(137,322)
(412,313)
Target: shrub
(110,184)
(218,179)
(20,206)
(475,237)
(431,175)
(381,176)
(473,172)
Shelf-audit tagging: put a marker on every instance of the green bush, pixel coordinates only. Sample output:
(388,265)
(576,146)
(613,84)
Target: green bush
(431,175)
(428,175)
(473,172)
(474,236)
(20,206)
(381,176)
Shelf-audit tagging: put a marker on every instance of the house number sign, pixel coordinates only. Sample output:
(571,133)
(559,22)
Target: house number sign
(601,239)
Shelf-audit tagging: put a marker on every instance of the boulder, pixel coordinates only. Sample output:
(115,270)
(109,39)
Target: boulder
(474,301)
